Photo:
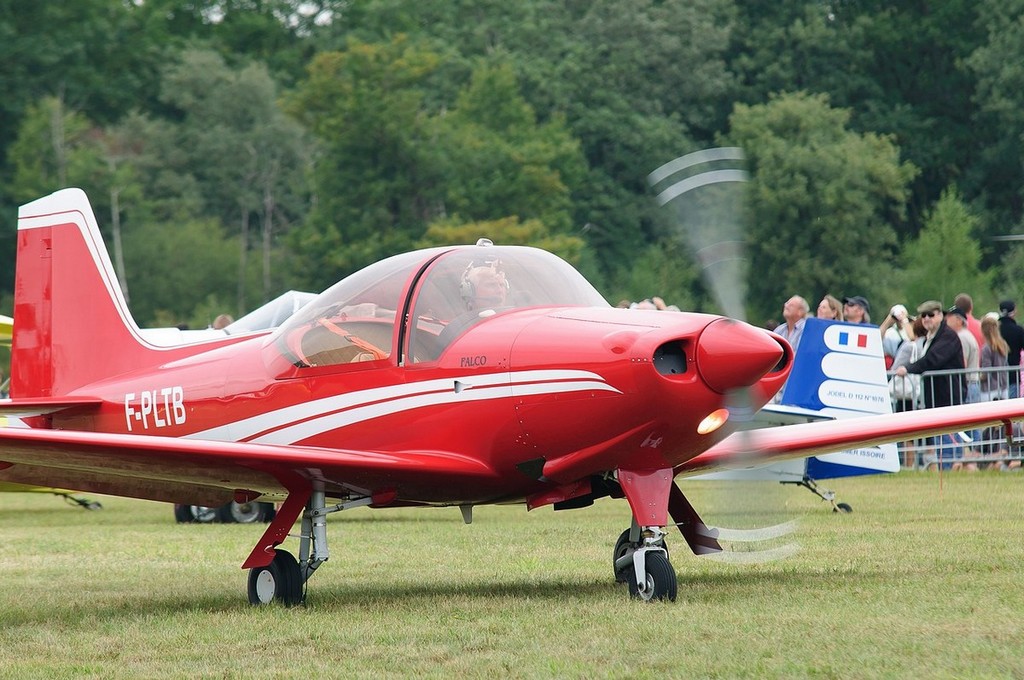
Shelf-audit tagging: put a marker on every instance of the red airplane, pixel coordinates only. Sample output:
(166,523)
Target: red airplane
(449,376)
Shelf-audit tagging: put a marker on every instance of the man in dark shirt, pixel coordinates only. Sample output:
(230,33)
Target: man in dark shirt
(942,351)
(1014,336)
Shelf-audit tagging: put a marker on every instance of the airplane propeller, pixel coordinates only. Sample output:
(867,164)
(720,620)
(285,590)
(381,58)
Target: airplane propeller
(704,191)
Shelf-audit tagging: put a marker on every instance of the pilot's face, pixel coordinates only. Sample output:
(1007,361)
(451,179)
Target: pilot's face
(489,288)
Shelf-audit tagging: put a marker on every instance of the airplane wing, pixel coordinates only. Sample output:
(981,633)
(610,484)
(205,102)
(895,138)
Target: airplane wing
(756,447)
(202,472)
(41,406)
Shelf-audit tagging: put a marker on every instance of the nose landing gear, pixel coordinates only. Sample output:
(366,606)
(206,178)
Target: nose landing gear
(640,557)
(641,560)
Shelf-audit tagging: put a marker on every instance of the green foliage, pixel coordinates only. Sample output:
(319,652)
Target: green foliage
(897,67)
(173,270)
(476,110)
(50,150)
(1010,280)
(376,175)
(945,258)
(662,270)
(247,158)
(504,231)
(822,202)
(499,161)
(391,165)
(999,119)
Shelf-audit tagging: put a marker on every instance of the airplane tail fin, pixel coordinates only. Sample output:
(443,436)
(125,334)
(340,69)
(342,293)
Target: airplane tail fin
(71,322)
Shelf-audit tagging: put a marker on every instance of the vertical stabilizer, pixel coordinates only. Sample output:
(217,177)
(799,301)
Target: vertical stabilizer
(71,322)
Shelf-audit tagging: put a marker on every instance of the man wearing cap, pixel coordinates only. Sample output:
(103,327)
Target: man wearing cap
(966,303)
(956,318)
(942,351)
(856,309)
(1014,336)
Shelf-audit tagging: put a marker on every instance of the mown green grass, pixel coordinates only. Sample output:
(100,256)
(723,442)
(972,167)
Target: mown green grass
(920,581)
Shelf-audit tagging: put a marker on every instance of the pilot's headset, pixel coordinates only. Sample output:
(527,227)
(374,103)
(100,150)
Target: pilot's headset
(467,290)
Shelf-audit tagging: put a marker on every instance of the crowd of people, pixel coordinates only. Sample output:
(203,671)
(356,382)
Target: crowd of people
(648,303)
(939,357)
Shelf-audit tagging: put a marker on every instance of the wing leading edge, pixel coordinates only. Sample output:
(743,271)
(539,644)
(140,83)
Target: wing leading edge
(756,447)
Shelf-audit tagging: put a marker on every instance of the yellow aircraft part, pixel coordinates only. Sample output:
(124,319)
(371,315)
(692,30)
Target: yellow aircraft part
(12,487)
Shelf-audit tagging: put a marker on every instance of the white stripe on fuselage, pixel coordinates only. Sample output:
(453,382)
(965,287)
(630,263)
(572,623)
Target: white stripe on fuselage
(296,423)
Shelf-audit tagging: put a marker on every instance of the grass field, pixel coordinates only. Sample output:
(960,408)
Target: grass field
(921,581)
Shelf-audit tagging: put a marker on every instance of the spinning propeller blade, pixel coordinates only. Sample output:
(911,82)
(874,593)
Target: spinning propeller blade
(704,189)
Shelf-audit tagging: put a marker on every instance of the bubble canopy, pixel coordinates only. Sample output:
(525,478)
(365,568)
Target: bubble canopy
(440,292)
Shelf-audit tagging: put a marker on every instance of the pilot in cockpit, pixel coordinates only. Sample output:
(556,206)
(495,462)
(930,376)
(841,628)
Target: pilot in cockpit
(484,287)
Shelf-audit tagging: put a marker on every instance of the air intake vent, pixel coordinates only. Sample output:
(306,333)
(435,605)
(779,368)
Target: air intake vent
(670,359)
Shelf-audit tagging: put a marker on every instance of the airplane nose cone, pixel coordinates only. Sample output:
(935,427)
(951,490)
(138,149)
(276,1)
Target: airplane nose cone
(732,354)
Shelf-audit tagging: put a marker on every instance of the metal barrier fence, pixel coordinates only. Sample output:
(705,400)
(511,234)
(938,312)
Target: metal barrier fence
(989,447)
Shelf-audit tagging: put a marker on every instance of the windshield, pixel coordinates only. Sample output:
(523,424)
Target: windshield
(356,320)
(470,284)
(353,320)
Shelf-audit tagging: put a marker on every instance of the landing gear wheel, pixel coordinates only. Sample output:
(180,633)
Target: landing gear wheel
(243,513)
(194,513)
(661,580)
(183,514)
(280,580)
(622,547)
(843,507)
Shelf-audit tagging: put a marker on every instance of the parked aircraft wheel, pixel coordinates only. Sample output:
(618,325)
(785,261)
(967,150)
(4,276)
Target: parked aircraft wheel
(622,547)
(280,580)
(843,507)
(182,514)
(195,513)
(661,579)
(245,513)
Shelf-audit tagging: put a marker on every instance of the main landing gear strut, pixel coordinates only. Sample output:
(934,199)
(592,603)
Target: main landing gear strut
(283,578)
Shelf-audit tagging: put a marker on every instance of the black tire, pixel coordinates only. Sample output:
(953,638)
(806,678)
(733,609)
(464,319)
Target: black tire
(186,514)
(622,546)
(183,514)
(280,580)
(661,580)
(844,507)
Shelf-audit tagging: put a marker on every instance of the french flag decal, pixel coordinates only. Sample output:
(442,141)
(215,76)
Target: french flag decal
(853,339)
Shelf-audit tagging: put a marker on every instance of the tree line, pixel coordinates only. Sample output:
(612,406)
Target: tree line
(233,149)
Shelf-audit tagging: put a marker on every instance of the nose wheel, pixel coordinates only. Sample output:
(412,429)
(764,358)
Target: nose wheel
(641,560)
(659,580)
